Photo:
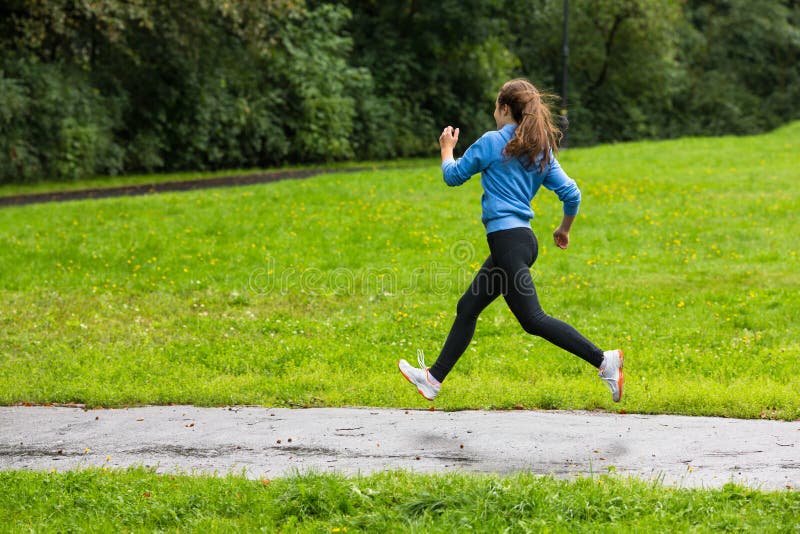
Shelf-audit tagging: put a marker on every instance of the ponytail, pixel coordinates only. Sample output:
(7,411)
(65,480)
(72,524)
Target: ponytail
(536,135)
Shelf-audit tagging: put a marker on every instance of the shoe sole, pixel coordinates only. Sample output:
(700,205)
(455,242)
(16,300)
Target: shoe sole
(411,382)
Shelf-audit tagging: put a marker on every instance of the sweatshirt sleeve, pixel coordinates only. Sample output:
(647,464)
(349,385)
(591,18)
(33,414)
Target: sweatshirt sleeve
(565,187)
(475,159)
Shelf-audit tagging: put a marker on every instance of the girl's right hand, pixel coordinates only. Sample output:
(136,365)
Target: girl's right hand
(449,138)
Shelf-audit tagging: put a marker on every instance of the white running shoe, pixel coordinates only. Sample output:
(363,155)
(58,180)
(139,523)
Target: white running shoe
(421,378)
(611,372)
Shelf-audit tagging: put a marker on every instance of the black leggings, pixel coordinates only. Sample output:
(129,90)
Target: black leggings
(507,272)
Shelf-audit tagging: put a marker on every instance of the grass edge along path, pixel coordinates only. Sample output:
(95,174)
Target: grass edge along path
(137,184)
(167,186)
(396,501)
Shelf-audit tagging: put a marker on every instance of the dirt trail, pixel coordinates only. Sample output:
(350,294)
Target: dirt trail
(180,185)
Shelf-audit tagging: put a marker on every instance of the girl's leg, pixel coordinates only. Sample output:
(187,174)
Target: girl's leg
(485,287)
(515,251)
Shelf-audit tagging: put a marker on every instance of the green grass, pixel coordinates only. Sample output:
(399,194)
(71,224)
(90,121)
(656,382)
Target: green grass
(100,182)
(307,292)
(139,500)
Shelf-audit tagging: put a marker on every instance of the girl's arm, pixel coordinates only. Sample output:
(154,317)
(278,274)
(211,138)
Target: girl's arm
(456,172)
(567,190)
(557,181)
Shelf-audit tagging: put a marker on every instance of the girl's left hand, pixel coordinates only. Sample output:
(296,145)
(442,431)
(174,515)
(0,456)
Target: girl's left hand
(449,138)
(561,238)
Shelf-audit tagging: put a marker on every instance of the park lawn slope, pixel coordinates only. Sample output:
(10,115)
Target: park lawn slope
(140,500)
(305,293)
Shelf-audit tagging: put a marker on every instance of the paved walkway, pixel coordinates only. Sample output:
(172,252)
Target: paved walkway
(686,451)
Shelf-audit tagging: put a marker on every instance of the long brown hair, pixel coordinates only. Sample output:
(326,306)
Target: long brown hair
(536,133)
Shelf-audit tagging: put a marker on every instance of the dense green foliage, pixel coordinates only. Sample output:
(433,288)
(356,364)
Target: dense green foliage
(138,500)
(112,86)
(638,68)
(307,292)
(117,86)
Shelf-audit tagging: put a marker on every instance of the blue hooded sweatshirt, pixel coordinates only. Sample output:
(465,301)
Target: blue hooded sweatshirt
(508,187)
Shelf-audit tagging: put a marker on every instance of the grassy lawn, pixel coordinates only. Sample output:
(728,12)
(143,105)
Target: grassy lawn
(139,500)
(307,292)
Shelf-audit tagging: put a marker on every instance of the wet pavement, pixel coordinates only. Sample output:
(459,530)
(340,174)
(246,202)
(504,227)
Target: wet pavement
(265,442)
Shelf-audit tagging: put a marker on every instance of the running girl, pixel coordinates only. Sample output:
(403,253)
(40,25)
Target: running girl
(514,161)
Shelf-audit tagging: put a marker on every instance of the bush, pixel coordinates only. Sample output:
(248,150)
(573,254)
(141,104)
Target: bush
(55,125)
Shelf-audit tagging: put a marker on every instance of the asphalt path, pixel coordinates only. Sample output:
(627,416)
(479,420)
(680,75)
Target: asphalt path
(273,442)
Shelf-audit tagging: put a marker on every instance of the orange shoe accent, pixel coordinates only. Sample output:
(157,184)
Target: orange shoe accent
(402,373)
